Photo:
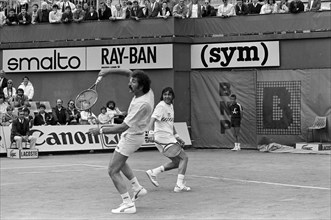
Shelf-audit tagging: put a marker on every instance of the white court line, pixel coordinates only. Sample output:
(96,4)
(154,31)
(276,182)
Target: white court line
(49,166)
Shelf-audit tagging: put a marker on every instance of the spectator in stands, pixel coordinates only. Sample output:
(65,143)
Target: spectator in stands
(12,18)
(194,10)
(19,99)
(28,116)
(241,8)
(154,9)
(9,117)
(114,112)
(24,18)
(104,118)
(9,91)
(34,14)
(22,4)
(67,16)
(91,15)
(86,8)
(74,114)
(104,12)
(144,8)
(118,14)
(43,13)
(226,10)
(165,11)
(65,3)
(280,7)
(3,105)
(87,117)
(268,7)
(3,81)
(254,7)
(180,10)
(60,113)
(2,17)
(296,6)
(79,14)
(314,5)
(27,87)
(21,131)
(42,118)
(136,12)
(55,15)
(208,10)
(128,10)
(110,5)
(124,5)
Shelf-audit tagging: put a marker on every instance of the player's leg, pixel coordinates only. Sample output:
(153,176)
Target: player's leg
(180,185)
(152,174)
(138,190)
(114,168)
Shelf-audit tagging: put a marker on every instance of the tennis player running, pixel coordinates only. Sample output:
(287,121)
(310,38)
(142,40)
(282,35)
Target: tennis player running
(133,135)
(168,142)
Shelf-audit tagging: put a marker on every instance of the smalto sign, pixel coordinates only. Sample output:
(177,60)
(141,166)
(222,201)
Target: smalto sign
(235,55)
(37,60)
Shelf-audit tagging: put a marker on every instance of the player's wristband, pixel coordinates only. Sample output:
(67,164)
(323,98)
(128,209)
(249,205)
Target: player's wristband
(176,136)
(151,132)
(101,131)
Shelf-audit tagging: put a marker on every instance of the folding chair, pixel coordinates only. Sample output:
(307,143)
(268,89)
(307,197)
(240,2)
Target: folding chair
(319,124)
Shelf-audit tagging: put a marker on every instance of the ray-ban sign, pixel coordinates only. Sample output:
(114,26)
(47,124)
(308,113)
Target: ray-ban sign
(233,55)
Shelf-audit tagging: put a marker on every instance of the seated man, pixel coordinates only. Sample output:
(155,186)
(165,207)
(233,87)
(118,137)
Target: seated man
(43,13)
(296,6)
(241,8)
(226,10)
(20,131)
(9,117)
(79,14)
(136,12)
(114,112)
(60,113)
(28,116)
(67,15)
(42,118)
(55,15)
(104,12)
(208,10)
(180,10)
(27,87)
(91,14)
(24,18)
(19,99)
(118,14)
(12,18)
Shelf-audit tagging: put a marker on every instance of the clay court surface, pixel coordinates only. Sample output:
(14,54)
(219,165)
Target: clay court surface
(225,185)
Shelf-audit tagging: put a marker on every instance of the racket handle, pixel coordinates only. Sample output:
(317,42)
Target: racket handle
(98,79)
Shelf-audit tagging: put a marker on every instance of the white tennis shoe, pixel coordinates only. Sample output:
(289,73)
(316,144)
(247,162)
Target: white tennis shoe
(152,177)
(182,188)
(125,208)
(138,194)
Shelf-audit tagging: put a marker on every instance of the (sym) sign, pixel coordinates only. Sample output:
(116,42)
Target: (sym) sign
(131,57)
(36,60)
(232,55)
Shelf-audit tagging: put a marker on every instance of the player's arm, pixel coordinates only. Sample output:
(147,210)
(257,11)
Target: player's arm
(151,129)
(241,112)
(109,129)
(180,141)
(114,70)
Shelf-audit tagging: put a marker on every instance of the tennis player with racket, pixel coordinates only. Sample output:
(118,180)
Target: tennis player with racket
(133,135)
(168,142)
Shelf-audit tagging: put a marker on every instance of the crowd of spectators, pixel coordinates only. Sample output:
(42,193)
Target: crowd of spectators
(12,101)
(65,11)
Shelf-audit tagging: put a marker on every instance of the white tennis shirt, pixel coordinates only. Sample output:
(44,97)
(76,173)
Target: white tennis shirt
(139,113)
(164,124)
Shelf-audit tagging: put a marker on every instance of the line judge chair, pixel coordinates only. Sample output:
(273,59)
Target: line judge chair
(320,125)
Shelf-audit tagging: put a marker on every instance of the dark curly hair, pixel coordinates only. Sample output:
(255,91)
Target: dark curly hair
(143,80)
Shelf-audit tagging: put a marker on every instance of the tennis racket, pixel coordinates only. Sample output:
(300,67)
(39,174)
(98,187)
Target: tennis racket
(87,98)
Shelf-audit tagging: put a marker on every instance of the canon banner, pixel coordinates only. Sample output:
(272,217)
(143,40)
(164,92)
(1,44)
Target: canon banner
(232,55)
(131,57)
(76,137)
(35,60)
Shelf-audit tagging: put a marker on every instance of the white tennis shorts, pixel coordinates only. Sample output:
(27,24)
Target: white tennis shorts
(129,143)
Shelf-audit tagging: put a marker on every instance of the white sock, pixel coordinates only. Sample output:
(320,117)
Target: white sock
(239,145)
(180,180)
(235,145)
(126,198)
(135,184)
(158,170)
